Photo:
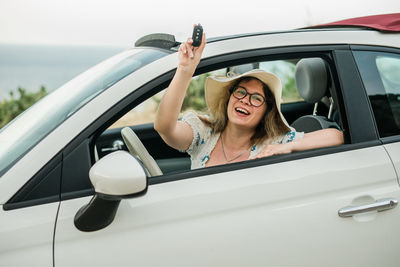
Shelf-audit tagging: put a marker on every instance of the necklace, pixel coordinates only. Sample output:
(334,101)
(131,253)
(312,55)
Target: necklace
(226,158)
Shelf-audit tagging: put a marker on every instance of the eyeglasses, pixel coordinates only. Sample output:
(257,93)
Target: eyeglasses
(255,99)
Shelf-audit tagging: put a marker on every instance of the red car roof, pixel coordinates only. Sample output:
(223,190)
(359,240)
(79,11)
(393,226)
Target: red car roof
(386,22)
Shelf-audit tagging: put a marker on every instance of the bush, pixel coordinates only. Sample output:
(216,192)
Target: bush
(9,109)
(195,98)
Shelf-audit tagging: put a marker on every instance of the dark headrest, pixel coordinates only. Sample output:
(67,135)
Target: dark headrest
(311,79)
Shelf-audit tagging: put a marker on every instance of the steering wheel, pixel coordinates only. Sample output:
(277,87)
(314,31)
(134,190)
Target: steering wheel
(137,149)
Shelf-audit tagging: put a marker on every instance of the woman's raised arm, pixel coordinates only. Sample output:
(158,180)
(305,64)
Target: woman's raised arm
(177,134)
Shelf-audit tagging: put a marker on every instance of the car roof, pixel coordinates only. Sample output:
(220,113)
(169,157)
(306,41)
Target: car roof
(168,42)
(322,29)
(384,22)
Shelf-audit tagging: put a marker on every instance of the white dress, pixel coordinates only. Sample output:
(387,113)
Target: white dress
(204,141)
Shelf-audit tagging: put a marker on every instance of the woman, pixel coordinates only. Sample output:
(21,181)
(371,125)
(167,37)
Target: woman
(245,122)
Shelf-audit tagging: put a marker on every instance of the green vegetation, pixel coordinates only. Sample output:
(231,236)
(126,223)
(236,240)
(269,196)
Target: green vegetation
(285,71)
(195,98)
(11,108)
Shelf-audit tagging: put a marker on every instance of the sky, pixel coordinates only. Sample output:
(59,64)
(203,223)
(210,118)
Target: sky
(122,22)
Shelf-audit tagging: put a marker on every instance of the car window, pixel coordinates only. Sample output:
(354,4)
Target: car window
(194,99)
(284,69)
(142,116)
(146,111)
(381,76)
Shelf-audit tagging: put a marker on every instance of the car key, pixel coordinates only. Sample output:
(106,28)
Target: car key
(197,35)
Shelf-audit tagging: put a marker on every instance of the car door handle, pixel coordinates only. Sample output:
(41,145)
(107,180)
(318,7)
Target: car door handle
(379,205)
(117,145)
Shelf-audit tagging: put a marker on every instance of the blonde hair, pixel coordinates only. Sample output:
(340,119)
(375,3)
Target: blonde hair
(270,127)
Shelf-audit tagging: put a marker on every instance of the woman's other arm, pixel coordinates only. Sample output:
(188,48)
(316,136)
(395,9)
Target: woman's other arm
(316,139)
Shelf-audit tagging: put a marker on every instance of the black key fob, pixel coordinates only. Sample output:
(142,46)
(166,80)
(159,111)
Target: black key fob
(197,35)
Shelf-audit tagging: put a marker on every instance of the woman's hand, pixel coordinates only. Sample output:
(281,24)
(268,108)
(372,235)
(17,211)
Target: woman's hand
(189,56)
(275,149)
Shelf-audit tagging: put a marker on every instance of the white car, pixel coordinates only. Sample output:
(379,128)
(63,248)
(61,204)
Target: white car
(333,206)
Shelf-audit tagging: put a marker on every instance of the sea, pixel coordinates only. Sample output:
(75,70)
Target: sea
(33,66)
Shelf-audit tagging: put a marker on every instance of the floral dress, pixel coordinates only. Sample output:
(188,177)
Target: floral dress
(204,141)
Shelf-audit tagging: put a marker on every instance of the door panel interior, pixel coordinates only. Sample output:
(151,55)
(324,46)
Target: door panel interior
(169,159)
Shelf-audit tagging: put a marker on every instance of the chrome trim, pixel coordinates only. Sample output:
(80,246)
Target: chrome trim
(379,205)
(117,145)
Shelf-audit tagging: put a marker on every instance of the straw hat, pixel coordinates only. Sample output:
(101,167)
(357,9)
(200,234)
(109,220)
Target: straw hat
(216,87)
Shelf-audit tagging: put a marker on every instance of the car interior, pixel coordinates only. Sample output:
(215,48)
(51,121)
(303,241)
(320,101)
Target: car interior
(314,107)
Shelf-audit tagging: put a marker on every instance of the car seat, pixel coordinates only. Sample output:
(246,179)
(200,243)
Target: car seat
(312,82)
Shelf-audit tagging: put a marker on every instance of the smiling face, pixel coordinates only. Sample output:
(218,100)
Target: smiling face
(241,112)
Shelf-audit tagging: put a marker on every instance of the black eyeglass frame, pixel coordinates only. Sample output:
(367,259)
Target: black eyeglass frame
(247,93)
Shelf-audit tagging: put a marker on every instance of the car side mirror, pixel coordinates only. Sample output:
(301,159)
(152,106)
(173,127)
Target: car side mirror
(116,176)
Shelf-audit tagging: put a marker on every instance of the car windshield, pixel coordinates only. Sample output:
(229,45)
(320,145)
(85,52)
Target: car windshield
(29,128)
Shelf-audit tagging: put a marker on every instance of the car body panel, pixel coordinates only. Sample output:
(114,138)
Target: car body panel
(253,217)
(393,150)
(27,236)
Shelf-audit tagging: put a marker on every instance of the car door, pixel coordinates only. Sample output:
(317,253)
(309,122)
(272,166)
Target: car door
(311,208)
(253,216)
(27,235)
